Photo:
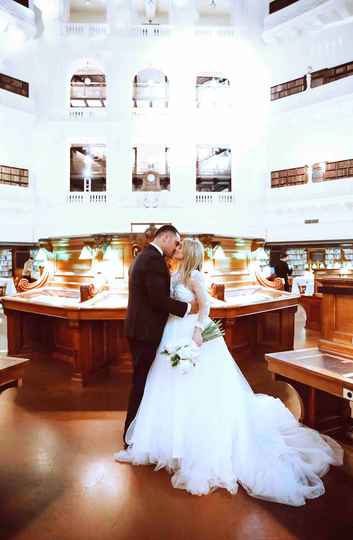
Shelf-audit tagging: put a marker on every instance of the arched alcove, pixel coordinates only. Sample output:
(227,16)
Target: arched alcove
(88,167)
(88,87)
(88,11)
(212,91)
(213,168)
(150,89)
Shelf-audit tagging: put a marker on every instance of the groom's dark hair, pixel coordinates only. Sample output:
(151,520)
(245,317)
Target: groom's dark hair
(165,229)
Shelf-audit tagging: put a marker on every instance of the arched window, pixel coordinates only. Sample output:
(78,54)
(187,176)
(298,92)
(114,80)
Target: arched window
(88,167)
(213,168)
(150,168)
(212,91)
(88,88)
(150,89)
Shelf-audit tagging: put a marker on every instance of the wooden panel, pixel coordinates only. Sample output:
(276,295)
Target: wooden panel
(312,306)
(276,5)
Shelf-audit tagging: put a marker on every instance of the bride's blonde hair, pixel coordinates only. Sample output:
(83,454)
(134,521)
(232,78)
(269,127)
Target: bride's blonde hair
(193,258)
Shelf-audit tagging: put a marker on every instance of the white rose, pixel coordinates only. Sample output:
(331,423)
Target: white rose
(185,367)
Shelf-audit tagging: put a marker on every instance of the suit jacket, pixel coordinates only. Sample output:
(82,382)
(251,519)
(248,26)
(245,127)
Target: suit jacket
(149,303)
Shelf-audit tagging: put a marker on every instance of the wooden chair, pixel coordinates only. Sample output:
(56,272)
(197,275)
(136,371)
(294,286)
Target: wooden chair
(2,290)
(276,283)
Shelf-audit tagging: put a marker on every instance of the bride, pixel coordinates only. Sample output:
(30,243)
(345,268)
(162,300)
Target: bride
(208,428)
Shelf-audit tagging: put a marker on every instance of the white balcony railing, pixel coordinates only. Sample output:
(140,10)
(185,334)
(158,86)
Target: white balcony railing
(91,197)
(85,29)
(87,113)
(214,199)
(150,31)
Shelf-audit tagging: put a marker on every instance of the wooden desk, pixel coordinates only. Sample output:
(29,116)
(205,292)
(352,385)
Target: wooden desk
(321,380)
(337,315)
(90,335)
(312,306)
(12,370)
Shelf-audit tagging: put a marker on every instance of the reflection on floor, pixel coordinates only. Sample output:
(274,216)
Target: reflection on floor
(58,480)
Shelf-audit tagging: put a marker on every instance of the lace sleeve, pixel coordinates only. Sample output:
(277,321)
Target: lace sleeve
(199,287)
(173,282)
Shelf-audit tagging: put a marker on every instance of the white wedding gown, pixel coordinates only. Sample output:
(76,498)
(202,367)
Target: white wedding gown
(210,430)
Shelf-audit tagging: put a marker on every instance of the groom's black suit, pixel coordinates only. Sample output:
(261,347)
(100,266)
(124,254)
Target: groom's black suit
(148,308)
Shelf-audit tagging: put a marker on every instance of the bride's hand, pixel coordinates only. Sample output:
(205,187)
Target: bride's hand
(197,337)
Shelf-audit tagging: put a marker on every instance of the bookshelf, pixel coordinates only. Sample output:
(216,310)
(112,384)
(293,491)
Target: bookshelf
(339,169)
(5,263)
(298,260)
(288,88)
(289,177)
(13,176)
(327,75)
(315,256)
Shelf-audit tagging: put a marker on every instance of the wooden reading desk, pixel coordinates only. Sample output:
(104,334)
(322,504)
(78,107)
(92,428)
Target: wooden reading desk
(324,382)
(323,376)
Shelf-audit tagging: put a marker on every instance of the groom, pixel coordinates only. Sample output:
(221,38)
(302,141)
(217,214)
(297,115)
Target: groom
(148,309)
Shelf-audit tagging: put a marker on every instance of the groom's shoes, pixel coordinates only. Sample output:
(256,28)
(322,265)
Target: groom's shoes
(123,456)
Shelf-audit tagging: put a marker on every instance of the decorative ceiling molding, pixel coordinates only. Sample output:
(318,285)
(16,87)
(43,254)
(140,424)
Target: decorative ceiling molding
(305,17)
(15,17)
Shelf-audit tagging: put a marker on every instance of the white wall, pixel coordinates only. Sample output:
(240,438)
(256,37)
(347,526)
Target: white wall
(306,128)
(182,127)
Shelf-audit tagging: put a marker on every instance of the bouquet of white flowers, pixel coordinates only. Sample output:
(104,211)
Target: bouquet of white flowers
(185,355)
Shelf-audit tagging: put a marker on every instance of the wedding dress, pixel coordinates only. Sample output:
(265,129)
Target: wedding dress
(210,430)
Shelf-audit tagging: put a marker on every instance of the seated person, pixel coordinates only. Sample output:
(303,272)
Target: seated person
(282,269)
(27,271)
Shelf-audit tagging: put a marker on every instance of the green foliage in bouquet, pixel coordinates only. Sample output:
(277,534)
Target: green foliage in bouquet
(212,331)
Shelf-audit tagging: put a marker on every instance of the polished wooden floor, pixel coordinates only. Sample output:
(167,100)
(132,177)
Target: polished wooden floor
(58,480)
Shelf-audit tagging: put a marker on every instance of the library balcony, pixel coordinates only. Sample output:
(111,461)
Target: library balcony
(298,95)
(295,18)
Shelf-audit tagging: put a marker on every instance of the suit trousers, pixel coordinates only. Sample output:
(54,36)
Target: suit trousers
(143,353)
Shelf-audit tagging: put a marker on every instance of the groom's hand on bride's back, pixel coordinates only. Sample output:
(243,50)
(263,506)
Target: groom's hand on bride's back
(194,307)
